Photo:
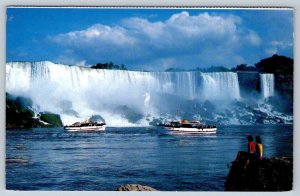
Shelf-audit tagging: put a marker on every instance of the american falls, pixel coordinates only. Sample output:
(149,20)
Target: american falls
(123,98)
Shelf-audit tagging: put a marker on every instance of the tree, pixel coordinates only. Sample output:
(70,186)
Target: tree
(123,67)
(243,67)
(276,64)
(109,65)
(216,69)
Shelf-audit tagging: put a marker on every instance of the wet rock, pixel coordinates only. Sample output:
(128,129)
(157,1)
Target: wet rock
(270,174)
(135,187)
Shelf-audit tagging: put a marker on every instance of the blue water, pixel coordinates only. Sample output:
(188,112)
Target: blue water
(59,160)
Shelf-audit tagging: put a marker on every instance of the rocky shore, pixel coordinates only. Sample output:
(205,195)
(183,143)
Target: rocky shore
(135,187)
(269,174)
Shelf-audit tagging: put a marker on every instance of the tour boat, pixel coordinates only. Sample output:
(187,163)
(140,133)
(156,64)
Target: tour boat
(86,126)
(188,127)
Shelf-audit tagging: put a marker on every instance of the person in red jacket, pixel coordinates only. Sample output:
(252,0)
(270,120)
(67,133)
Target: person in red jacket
(249,154)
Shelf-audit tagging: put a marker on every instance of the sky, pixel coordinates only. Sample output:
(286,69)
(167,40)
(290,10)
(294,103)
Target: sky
(149,39)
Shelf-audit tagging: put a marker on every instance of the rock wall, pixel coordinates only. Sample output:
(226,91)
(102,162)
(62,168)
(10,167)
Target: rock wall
(249,83)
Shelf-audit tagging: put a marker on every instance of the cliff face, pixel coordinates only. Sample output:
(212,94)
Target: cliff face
(270,174)
(284,84)
(249,83)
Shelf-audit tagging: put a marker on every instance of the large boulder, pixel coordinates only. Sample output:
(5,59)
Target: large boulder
(135,187)
(269,174)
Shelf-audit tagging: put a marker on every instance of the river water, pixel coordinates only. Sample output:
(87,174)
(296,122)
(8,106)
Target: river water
(54,159)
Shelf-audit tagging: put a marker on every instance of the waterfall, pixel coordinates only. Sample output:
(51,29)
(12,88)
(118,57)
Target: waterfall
(220,86)
(267,85)
(98,91)
(18,77)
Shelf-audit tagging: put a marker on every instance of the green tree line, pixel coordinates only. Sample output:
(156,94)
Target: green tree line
(109,65)
(275,64)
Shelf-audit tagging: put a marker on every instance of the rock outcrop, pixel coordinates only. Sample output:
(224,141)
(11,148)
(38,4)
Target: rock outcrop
(20,114)
(269,174)
(135,187)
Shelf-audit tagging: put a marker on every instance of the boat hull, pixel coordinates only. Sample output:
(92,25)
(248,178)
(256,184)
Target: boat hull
(183,130)
(88,128)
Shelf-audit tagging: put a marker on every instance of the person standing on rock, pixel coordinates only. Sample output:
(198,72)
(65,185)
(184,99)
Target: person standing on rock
(258,147)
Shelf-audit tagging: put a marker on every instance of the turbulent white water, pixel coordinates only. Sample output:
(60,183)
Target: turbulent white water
(267,85)
(79,92)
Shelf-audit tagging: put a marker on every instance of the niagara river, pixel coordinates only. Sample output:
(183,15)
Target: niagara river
(54,159)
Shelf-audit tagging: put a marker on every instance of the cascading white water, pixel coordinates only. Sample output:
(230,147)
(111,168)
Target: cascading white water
(100,91)
(220,86)
(267,85)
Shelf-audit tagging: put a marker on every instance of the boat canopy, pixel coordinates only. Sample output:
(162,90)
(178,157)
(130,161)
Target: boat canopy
(184,122)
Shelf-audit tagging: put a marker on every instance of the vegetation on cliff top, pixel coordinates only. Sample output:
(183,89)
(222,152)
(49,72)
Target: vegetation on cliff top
(275,64)
(109,65)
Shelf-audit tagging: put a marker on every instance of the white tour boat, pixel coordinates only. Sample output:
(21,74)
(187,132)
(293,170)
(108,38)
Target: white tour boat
(86,126)
(189,127)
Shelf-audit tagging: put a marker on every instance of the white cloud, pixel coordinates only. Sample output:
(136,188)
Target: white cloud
(271,51)
(99,33)
(276,47)
(281,44)
(253,38)
(139,41)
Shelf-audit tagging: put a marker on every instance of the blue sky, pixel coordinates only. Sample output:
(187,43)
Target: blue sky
(148,39)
